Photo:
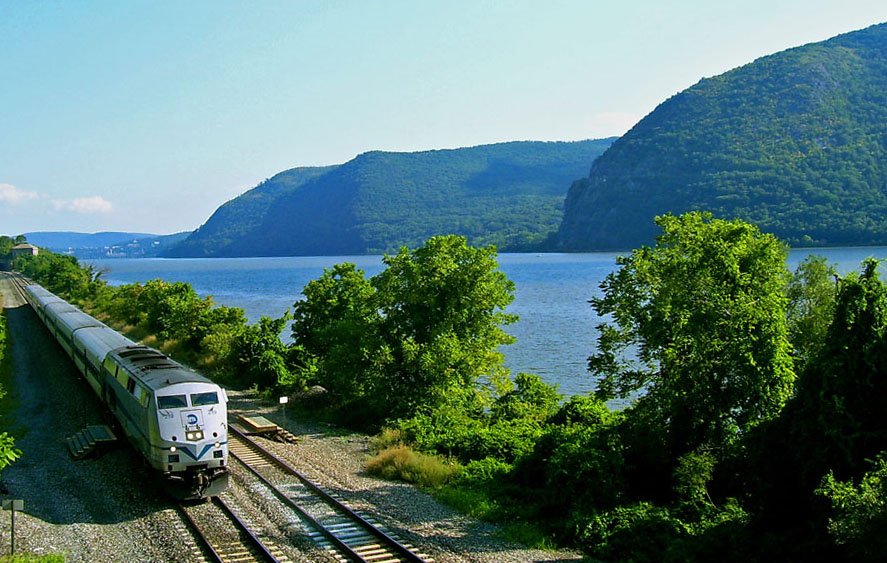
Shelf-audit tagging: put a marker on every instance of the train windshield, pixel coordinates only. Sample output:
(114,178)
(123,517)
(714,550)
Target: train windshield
(172,402)
(201,399)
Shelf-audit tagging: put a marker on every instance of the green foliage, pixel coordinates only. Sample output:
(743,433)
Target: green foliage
(386,438)
(442,308)
(705,311)
(639,532)
(811,303)
(508,194)
(264,361)
(8,451)
(174,311)
(860,512)
(691,477)
(401,462)
(6,244)
(569,455)
(450,431)
(30,558)
(337,323)
(842,396)
(421,334)
(61,274)
(646,532)
(792,142)
(531,399)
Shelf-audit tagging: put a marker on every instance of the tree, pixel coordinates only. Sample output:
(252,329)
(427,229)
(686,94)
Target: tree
(337,323)
(6,244)
(811,304)
(703,315)
(842,395)
(442,309)
(61,274)
(860,512)
(422,333)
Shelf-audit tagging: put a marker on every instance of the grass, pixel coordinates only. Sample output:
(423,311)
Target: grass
(402,463)
(387,438)
(31,558)
(472,502)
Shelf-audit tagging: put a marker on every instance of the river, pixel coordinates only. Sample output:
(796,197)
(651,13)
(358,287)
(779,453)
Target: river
(555,334)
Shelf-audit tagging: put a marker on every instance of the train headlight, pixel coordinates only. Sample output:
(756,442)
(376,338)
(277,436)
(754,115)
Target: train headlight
(190,435)
(218,444)
(172,449)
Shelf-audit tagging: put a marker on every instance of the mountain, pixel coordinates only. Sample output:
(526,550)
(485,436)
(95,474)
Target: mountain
(794,142)
(106,244)
(510,194)
(240,217)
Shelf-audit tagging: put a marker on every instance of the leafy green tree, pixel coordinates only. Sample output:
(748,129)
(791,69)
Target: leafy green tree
(531,399)
(337,323)
(704,313)
(442,309)
(842,396)
(63,275)
(423,333)
(6,244)
(811,305)
(263,360)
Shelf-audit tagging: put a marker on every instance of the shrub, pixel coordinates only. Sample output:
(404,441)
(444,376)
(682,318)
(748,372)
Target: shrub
(401,462)
(387,438)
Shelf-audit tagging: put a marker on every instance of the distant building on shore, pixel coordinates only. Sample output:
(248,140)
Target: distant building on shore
(24,249)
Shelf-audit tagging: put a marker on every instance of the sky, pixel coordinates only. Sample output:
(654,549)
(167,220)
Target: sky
(146,116)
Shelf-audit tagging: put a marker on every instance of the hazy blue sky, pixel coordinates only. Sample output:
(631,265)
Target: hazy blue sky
(146,116)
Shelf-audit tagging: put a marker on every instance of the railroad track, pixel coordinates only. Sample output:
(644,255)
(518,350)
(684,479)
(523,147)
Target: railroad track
(224,537)
(18,282)
(347,535)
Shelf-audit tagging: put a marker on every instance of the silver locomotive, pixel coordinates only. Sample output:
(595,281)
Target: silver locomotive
(176,418)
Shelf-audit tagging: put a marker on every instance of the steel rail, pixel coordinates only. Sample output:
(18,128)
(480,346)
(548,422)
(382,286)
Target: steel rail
(201,537)
(399,549)
(260,550)
(217,501)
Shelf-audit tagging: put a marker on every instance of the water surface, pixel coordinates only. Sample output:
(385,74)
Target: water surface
(555,334)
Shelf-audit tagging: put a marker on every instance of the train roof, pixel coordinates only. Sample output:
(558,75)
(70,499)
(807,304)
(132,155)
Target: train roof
(155,369)
(99,340)
(72,318)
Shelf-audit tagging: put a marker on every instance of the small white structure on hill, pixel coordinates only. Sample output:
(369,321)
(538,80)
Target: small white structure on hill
(24,249)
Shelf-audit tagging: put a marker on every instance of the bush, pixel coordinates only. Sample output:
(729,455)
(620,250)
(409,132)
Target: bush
(387,438)
(640,532)
(859,512)
(401,462)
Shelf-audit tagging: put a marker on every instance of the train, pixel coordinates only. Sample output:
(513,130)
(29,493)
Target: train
(175,418)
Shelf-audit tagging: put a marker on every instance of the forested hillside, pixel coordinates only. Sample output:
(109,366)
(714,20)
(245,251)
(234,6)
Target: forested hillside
(510,194)
(794,142)
(239,217)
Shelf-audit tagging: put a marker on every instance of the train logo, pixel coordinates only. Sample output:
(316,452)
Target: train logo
(192,419)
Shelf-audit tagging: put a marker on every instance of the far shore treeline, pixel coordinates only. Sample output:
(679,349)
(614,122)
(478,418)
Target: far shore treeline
(755,430)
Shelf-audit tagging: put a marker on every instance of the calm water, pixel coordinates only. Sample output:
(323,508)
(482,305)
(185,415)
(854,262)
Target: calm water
(555,333)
